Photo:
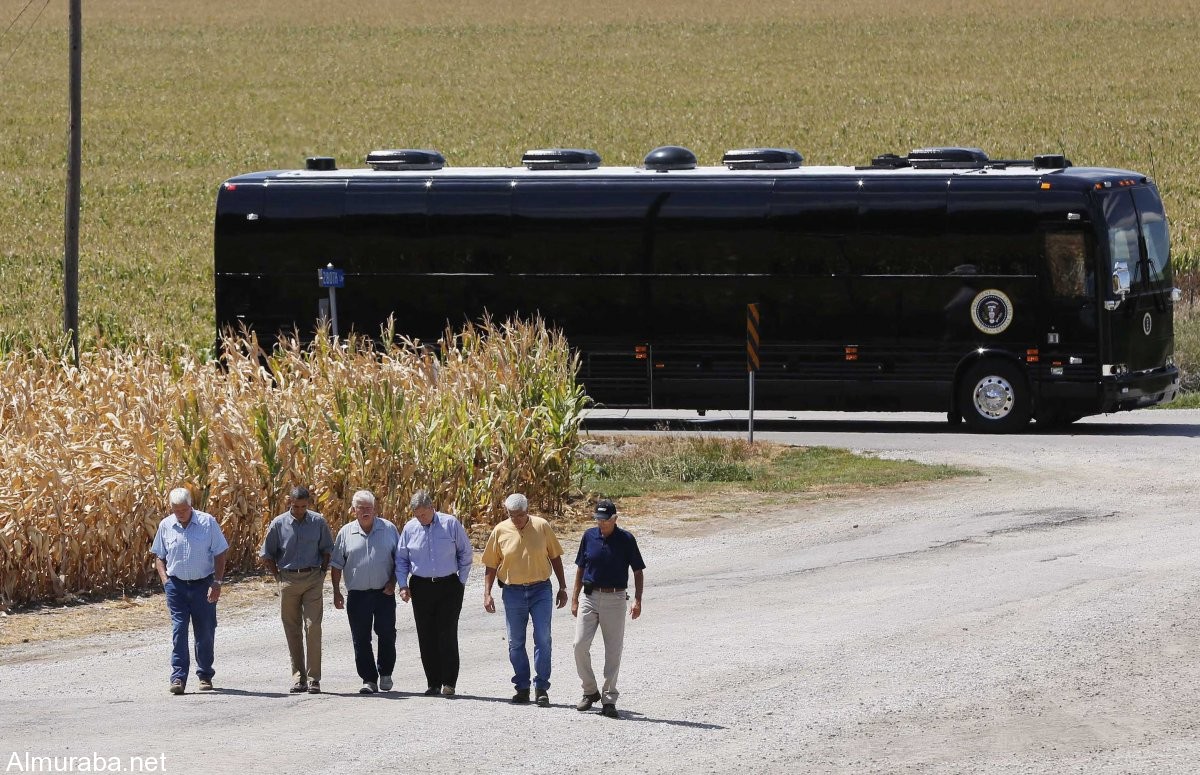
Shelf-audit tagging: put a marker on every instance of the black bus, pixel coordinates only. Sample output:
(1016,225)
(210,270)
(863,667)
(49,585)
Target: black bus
(995,291)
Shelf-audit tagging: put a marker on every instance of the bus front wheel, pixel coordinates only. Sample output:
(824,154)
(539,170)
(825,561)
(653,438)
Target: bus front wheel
(994,397)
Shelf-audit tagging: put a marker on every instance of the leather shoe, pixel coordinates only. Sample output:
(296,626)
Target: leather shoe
(609,710)
(521,697)
(433,691)
(543,699)
(588,701)
(300,687)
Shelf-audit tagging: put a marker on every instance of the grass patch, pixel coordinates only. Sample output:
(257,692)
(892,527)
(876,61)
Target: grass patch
(629,467)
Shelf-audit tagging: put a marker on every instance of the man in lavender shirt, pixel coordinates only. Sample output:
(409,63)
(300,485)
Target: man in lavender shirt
(433,561)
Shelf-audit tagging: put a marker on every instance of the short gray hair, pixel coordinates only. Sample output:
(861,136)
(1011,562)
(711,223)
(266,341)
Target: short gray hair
(362,496)
(420,499)
(180,496)
(516,502)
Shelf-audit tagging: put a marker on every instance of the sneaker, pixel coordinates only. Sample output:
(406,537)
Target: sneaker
(368,687)
(385,683)
(177,686)
(588,701)
(447,691)
(206,685)
(609,710)
(543,699)
(300,687)
(521,697)
(432,691)
(314,687)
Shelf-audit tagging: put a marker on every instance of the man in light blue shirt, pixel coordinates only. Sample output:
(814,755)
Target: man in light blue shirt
(365,551)
(433,561)
(189,553)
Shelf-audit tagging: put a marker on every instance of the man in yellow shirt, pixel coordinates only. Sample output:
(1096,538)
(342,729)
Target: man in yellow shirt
(520,553)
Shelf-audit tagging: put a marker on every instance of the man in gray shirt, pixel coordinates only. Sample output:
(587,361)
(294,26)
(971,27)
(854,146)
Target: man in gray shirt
(365,550)
(296,550)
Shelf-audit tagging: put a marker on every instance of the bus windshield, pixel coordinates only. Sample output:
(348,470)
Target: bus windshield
(1129,227)
(1155,235)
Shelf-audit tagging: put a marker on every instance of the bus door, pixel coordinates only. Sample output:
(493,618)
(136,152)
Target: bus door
(1139,323)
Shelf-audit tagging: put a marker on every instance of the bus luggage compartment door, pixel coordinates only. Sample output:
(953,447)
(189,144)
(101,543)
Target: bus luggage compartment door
(618,379)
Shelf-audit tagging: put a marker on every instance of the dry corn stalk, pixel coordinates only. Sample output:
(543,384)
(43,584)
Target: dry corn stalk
(87,455)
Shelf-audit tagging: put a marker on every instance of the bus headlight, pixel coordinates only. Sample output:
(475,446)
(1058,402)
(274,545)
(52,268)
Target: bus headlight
(1114,369)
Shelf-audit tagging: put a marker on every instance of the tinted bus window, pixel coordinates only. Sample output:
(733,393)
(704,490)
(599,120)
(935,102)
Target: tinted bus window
(551,218)
(713,228)
(811,221)
(385,226)
(1154,232)
(1067,264)
(992,228)
(901,228)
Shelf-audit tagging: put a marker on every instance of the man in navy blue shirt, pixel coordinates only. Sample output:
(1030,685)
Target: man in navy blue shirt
(606,555)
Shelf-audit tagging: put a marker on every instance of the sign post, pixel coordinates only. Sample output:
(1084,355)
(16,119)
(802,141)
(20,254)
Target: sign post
(752,361)
(332,278)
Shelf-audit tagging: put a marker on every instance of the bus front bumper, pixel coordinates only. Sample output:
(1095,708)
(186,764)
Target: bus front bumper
(1133,391)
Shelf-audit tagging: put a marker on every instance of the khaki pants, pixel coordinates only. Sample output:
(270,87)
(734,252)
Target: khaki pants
(300,600)
(605,610)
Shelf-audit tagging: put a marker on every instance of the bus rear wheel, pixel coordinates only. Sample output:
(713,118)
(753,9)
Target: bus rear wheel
(994,397)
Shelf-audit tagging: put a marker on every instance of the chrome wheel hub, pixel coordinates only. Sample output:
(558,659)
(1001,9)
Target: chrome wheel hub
(994,398)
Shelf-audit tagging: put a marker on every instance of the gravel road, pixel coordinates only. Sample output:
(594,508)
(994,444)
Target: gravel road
(1036,618)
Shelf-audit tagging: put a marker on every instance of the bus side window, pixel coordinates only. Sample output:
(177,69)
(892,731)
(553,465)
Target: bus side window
(1066,259)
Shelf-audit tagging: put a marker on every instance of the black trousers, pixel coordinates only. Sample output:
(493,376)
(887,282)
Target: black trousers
(436,605)
(370,609)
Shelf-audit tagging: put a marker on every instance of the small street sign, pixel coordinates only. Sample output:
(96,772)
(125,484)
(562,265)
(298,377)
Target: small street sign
(328,277)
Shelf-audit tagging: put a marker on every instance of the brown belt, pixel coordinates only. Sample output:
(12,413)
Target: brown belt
(608,589)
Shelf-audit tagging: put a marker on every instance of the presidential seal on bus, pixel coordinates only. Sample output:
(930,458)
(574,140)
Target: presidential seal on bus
(991,311)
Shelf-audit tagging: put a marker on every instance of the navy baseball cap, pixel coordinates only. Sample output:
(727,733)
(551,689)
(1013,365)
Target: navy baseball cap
(605,509)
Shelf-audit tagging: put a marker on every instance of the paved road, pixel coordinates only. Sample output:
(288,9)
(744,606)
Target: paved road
(1037,618)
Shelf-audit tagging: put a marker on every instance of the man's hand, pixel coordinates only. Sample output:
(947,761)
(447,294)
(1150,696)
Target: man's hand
(214,592)
(489,605)
(560,600)
(636,609)
(389,588)
(575,606)
(405,594)
(339,602)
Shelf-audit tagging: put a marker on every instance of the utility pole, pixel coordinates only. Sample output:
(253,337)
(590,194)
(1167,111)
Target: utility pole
(74,161)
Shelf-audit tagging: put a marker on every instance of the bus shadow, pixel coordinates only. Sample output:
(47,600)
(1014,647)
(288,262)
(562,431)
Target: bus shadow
(934,427)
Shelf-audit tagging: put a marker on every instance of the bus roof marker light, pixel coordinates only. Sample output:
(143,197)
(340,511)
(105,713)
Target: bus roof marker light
(670,157)
(561,159)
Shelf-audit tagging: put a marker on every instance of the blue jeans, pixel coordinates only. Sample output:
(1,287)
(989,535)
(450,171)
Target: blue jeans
(188,601)
(521,603)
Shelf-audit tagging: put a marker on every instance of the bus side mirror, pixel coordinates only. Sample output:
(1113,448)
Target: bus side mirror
(1120,279)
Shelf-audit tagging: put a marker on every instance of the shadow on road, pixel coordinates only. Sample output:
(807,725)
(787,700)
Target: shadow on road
(635,716)
(943,428)
(220,690)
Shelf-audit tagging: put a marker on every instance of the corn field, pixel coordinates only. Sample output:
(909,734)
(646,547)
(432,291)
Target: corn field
(87,456)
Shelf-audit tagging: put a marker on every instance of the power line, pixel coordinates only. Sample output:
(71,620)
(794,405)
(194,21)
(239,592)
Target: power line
(15,20)
(25,37)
